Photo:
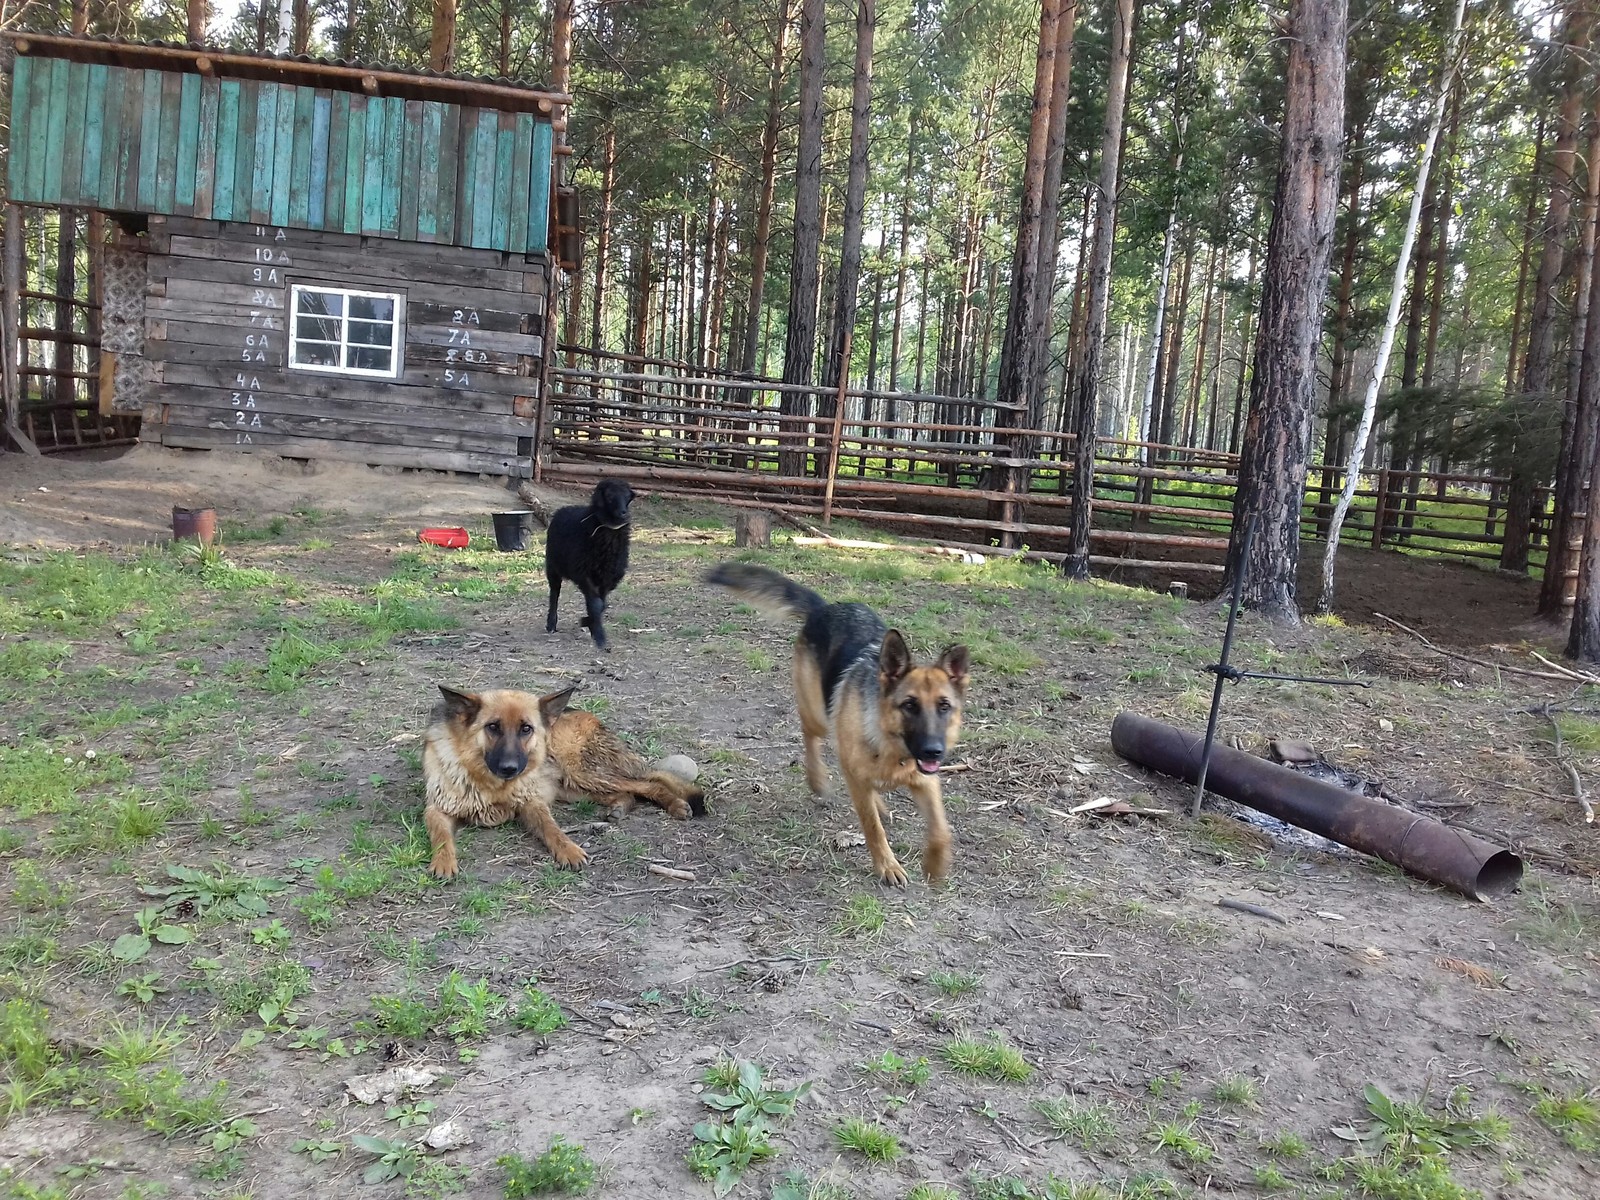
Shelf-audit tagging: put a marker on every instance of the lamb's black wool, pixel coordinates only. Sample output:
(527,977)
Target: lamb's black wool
(588,544)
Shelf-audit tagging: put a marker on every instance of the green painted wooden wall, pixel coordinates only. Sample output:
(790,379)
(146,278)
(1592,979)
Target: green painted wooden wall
(165,142)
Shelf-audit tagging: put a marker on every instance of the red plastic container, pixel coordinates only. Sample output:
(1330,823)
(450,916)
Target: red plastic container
(451,537)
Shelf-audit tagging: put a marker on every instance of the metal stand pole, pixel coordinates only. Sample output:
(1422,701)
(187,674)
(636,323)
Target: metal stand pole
(1222,667)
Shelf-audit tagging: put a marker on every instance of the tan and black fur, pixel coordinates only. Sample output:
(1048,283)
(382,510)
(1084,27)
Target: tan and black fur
(491,756)
(893,723)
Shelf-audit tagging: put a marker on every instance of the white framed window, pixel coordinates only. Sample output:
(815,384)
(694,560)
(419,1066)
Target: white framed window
(350,332)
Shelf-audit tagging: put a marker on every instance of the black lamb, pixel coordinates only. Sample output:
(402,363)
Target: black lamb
(588,544)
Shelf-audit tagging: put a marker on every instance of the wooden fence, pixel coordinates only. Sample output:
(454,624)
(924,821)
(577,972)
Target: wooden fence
(57,266)
(937,467)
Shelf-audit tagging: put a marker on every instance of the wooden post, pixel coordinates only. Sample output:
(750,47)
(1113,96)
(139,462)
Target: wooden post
(442,43)
(10,311)
(196,22)
(1378,511)
(838,427)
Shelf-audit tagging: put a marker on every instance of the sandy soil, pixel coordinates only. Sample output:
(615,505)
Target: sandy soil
(1096,948)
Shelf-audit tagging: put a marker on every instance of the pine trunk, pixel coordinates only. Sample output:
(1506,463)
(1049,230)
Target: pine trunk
(800,343)
(900,269)
(1087,385)
(762,237)
(1019,347)
(1283,387)
(442,43)
(602,250)
(847,292)
(1577,428)
(1538,371)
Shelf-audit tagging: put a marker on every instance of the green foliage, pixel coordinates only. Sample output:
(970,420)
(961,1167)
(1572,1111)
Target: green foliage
(724,1150)
(1411,1132)
(895,1072)
(538,1013)
(318,1150)
(393,1158)
(563,1169)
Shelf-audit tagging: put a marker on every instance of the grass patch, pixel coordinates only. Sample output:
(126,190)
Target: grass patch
(992,1059)
(1091,1126)
(1575,1118)
(864,916)
(955,984)
(868,1139)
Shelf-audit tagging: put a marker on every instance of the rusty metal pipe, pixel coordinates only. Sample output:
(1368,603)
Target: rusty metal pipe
(1418,844)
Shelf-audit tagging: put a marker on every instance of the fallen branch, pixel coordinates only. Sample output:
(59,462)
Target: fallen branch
(671,873)
(1467,658)
(912,548)
(1571,770)
(1568,672)
(1254,910)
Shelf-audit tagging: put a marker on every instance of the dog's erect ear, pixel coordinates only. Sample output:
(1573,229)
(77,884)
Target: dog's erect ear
(954,663)
(894,660)
(553,705)
(460,706)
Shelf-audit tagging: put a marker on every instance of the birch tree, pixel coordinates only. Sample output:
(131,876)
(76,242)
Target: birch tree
(1369,403)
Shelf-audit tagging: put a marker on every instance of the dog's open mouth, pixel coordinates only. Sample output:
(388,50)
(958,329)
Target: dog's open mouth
(928,766)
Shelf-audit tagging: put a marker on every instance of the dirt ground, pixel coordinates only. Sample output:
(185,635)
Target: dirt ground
(258,718)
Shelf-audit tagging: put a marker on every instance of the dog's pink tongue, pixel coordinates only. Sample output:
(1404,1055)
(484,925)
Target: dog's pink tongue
(928,766)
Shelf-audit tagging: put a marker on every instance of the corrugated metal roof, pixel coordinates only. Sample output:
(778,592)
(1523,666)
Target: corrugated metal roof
(349,64)
(345,74)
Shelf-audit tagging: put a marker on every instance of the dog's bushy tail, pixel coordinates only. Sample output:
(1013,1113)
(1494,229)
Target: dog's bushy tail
(774,594)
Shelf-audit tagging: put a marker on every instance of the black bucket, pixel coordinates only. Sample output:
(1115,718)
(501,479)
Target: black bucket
(511,529)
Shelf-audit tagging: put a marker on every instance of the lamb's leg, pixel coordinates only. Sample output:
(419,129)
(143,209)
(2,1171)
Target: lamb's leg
(555,596)
(596,604)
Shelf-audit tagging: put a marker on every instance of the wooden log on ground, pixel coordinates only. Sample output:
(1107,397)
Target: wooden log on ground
(752,527)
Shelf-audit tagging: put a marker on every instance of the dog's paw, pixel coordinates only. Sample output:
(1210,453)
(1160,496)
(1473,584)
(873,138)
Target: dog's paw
(443,867)
(550,627)
(891,873)
(571,856)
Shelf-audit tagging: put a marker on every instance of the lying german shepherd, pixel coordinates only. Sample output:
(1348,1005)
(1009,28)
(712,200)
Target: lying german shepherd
(491,756)
(893,722)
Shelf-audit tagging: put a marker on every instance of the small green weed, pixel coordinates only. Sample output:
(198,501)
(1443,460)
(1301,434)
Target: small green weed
(1408,1131)
(538,1013)
(1576,1118)
(1092,1126)
(992,1059)
(1238,1090)
(1184,1141)
(868,1139)
(564,1168)
(864,916)
(955,984)
(894,1071)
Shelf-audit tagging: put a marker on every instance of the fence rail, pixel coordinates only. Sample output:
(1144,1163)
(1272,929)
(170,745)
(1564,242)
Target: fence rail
(948,467)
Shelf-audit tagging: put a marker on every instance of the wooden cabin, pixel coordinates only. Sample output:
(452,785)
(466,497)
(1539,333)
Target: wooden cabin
(307,258)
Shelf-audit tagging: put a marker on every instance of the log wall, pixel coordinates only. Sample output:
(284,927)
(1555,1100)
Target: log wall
(216,348)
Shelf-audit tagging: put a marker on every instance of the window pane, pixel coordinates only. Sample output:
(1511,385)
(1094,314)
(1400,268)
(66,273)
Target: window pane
(371,333)
(372,308)
(322,304)
(316,354)
(320,329)
(370,358)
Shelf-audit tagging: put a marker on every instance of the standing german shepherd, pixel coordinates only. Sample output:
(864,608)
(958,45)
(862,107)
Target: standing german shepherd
(893,722)
(491,756)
